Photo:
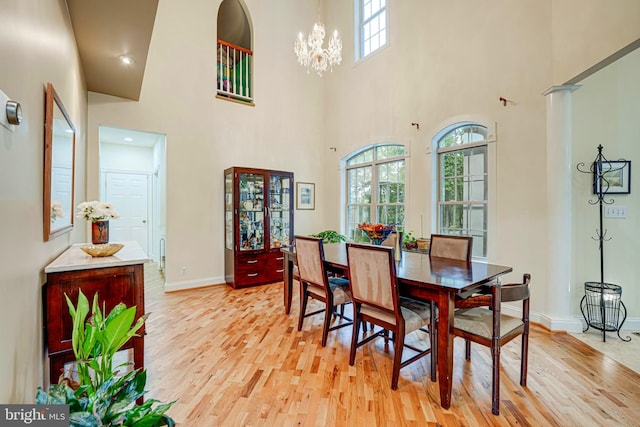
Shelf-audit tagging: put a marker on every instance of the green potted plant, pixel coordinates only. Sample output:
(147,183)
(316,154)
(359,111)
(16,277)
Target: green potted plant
(409,241)
(100,396)
(330,236)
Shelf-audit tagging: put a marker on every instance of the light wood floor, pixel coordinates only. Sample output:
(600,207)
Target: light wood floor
(233,358)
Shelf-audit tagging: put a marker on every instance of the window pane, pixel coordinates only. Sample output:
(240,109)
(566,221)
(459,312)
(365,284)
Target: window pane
(391,215)
(391,182)
(366,10)
(359,185)
(385,202)
(463,186)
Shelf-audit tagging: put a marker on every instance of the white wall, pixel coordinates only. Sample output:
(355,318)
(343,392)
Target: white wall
(606,111)
(36,46)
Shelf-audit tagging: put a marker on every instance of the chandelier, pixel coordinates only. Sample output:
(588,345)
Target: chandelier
(313,56)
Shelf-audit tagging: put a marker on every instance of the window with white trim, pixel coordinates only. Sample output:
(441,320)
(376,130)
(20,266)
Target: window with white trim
(375,187)
(463,184)
(371,28)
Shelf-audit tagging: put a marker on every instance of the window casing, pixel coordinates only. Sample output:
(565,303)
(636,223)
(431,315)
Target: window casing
(463,185)
(375,188)
(371,26)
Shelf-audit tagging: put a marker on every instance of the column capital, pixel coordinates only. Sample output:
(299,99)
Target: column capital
(561,88)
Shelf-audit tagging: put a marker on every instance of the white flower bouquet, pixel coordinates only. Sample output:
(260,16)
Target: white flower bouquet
(96,211)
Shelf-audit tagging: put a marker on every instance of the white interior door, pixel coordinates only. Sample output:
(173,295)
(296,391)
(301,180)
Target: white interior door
(129,194)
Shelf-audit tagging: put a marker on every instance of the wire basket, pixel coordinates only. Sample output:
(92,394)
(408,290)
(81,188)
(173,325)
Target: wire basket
(602,304)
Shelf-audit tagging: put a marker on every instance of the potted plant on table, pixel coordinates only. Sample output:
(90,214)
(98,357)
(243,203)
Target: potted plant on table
(409,241)
(330,236)
(100,396)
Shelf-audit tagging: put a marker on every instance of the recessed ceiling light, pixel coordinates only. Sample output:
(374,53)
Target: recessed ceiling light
(127,60)
(128,139)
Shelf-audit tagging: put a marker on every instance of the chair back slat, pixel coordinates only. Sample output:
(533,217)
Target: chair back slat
(516,291)
(372,275)
(452,247)
(310,258)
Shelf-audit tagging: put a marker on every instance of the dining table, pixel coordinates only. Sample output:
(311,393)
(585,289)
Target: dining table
(422,277)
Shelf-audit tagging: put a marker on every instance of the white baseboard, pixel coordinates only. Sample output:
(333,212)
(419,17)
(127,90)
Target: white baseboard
(574,325)
(193,284)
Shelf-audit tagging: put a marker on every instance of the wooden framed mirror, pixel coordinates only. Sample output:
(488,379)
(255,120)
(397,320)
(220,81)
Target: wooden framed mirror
(59,160)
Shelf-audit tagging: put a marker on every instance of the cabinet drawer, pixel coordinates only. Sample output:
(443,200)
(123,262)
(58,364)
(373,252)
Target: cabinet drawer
(251,269)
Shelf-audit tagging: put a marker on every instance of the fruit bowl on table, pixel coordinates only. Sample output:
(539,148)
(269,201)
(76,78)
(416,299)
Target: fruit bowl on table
(377,233)
(106,249)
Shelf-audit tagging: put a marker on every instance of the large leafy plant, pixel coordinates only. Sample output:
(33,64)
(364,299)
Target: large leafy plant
(103,397)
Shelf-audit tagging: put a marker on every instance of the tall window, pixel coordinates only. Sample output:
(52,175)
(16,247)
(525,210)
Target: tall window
(375,187)
(463,184)
(371,26)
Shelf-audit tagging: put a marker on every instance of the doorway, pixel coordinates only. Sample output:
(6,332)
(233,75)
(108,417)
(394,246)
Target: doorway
(132,168)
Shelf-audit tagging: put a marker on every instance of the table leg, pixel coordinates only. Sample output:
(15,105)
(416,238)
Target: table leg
(446,307)
(288,282)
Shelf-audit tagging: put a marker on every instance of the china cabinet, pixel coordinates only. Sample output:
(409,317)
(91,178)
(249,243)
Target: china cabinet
(258,215)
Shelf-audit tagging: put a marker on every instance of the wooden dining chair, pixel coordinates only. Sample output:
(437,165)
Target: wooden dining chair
(451,247)
(374,290)
(480,320)
(315,283)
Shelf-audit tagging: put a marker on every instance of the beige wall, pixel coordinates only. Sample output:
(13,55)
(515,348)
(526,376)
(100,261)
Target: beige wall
(606,110)
(36,46)
(438,68)
(587,32)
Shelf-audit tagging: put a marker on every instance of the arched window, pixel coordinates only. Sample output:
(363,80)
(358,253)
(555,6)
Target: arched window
(375,187)
(234,57)
(463,184)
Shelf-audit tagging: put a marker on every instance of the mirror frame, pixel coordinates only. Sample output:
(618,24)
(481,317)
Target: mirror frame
(52,101)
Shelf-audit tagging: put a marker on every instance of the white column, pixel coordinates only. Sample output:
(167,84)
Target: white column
(559,195)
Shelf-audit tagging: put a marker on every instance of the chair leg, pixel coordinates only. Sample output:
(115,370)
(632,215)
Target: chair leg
(524,357)
(467,349)
(328,312)
(433,341)
(304,296)
(495,388)
(398,345)
(354,336)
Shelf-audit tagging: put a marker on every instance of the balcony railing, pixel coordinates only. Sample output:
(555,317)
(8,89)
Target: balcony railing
(234,71)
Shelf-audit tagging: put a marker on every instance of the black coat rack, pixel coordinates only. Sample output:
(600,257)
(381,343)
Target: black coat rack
(602,301)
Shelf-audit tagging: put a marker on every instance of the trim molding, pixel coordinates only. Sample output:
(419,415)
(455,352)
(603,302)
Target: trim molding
(194,284)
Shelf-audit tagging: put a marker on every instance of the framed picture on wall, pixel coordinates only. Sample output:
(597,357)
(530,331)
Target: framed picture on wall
(305,195)
(615,177)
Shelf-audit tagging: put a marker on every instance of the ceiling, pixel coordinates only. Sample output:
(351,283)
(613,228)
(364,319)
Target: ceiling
(107,30)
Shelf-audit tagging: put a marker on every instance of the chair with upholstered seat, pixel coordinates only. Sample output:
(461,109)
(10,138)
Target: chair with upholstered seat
(451,247)
(315,283)
(374,291)
(479,319)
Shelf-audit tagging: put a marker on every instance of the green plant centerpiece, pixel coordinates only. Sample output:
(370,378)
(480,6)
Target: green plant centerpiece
(101,396)
(330,236)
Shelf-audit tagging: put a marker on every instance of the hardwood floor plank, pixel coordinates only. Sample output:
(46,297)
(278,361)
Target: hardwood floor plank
(233,358)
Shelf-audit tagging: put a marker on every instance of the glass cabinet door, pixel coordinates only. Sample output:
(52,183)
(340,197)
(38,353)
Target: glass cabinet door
(228,211)
(279,210)
(251,211)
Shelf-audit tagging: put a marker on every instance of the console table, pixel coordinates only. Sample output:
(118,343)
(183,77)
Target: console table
(117,278)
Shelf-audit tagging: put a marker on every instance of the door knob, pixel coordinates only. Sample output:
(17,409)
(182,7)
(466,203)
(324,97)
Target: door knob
(144,221)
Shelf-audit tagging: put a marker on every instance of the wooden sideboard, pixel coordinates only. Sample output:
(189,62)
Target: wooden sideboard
(118,278)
